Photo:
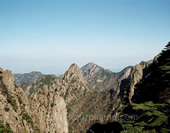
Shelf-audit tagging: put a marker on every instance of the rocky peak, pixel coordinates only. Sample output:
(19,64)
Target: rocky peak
(144,64)
(14,104)
(74,66)
(45,111)
(88,66)
(74,69)
(99,79)
(124,74)
(136,75)
(156,57)
(7,78)
(74,83)
(73,73)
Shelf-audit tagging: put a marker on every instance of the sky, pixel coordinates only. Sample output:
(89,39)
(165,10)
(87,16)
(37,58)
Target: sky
(50,35)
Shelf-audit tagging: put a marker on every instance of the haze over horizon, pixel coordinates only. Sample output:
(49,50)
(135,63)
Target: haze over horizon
(49,35)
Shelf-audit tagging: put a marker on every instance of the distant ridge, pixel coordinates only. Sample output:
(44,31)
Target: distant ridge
(27,77)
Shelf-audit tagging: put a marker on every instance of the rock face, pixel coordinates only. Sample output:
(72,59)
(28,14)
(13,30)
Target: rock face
(49,110)
(74,83)
(136,75)
(30,88)
(49,97)
(14,105)
(83,103)
(47,103)
(27,77)
(131,76)
(99,79)
(45,111)
(156,80)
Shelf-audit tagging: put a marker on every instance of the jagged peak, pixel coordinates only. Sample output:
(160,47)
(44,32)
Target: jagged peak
(143,63)
(90,65)
(73,69)
(74,66)
(74,77)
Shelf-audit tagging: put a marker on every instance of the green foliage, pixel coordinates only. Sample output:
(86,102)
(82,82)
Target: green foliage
(28,118)
(144,106)
(69,109)
(164,130)
(165,68)
(149,93)
(5,128)
(152,117)
(141,124)
(12,101)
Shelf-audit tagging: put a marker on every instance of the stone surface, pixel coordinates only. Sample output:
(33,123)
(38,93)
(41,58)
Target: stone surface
(44,111)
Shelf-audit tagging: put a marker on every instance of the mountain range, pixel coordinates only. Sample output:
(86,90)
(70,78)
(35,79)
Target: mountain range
(80,99)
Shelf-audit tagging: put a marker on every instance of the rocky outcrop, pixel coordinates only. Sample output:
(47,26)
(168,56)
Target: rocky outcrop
(47,103)
(74,83)
(14,105)
(136,75)
(49,110)
(127,80)
(156,80)
(50,96)
(83,103)
(99,79)
(45,111)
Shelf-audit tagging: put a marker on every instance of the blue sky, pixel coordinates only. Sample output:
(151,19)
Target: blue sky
(50,35)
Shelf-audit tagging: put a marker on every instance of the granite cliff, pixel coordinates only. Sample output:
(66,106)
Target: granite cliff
(45,111)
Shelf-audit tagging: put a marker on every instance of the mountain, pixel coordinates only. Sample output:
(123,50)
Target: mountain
(99,79)
(90,99)
(156,80)
(27,77)
(48,106)
(49,98)
(127,83)
(48,90)
(30,88)
(151,100)
(81,101)
(15,112)
(44,111)
(74,83)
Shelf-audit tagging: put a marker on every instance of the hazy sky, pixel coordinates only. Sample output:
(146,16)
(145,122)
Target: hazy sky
(50,35)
